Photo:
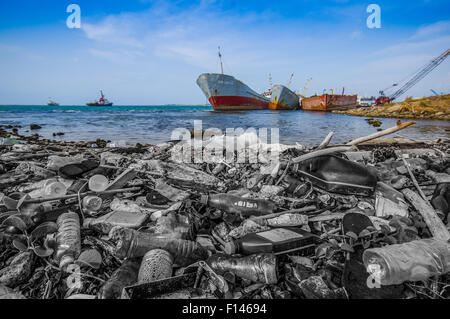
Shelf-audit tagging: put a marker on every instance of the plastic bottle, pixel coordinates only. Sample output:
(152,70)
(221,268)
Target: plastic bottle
(98,183)
(123,276)
(277,240)
(239,205)
(257,268)
(68,239)
(413,261)
(286,220)
(132,243)
(156,265)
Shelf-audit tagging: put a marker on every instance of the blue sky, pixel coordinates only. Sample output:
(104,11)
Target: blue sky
(143,52)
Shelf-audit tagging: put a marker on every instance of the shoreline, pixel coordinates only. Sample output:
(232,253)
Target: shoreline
(436,108)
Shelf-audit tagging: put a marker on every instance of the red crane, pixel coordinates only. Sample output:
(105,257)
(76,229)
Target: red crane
(419,75)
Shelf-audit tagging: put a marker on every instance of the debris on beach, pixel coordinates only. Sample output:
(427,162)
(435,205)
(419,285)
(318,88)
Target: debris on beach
(91,221)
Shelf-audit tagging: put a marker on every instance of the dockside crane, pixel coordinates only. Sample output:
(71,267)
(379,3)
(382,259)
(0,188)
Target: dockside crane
(419,75)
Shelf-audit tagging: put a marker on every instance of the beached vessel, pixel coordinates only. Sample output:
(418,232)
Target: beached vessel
(283,99)
(101,102)
(225,93)
(329,102)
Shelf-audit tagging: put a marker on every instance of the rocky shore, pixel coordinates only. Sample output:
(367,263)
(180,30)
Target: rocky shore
(429,108)
(159,220)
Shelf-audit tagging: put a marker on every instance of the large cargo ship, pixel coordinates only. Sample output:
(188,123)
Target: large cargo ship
(283,99)
(225,93)
(328,102)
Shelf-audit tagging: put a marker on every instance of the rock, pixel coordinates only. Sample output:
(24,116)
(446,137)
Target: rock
(315,288)
(35,127)
(18,271)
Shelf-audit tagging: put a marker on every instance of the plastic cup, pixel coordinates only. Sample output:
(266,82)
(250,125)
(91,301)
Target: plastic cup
(55,189)
(92,203)
(98,183)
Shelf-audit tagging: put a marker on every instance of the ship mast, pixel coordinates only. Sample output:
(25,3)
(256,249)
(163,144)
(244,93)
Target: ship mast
(220,58)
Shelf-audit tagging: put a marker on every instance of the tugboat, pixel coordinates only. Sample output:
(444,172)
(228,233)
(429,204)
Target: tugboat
(101,102)
(52,103)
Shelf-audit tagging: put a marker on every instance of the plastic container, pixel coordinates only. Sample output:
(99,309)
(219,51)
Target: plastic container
(338,175)
(98,183)
(54,189)
(239,205)
(156,265)
(122,277)
(277,240)
(105,223)
(132,243)
(257,268)
(413,261)
(68,239)
(92,203)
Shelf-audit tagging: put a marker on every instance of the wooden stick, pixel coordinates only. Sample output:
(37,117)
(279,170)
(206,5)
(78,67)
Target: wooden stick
(291,211)
(388,131)
(326,151)
(434,223)
(325,142)
(114,191)
(414,179)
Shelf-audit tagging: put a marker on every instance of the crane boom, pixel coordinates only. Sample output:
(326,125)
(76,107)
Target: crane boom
(420,75)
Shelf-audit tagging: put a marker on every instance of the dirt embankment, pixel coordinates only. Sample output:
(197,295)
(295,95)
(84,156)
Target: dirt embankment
(427,108)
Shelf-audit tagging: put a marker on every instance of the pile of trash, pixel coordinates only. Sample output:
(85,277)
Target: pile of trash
(133,222)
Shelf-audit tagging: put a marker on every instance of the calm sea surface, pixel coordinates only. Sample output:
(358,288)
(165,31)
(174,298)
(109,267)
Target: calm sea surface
(154,124)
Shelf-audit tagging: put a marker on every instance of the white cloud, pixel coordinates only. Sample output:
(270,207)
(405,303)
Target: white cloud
(432,29)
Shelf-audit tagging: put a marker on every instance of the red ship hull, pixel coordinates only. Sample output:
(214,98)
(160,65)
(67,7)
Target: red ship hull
(229,103)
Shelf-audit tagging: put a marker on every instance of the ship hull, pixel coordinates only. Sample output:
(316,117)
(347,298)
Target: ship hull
(225,93)
(328,103)
(283,99)
(96,104)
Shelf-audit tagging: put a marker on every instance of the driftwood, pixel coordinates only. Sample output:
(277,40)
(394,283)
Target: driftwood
(398,127)
(325,142)
(414,179)
(434,223)
(114,191)
(327,151)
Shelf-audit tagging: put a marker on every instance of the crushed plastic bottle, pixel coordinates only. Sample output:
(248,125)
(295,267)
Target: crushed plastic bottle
(68,239)
(239,205)
(413,261)
(257,268)
(132,243)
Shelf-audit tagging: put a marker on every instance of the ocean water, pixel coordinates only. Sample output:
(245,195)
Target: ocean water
(155,124)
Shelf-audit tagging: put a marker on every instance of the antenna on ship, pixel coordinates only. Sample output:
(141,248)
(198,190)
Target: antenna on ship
(270,81)
(220,58)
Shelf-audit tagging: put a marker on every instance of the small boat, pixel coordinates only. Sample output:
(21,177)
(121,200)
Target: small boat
(52,103)
(329,102)
(101,102)
(283,99)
